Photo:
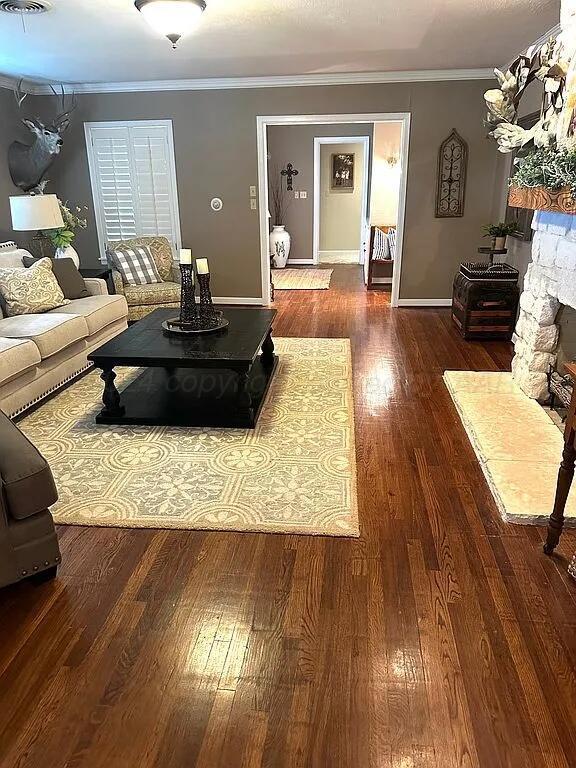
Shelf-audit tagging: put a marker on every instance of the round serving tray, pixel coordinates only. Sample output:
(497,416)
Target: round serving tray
(174,327)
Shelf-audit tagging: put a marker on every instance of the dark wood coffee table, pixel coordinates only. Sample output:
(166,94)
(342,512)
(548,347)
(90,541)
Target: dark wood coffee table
(210,380)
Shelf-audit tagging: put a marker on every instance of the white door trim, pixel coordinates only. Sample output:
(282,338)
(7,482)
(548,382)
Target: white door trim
(262,123)
(318,142)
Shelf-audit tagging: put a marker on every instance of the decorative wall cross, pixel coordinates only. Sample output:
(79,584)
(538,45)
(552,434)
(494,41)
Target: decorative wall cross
(289,172)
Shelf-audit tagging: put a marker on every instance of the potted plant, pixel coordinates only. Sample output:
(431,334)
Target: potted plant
(63,237)
(280,240)
(499,232)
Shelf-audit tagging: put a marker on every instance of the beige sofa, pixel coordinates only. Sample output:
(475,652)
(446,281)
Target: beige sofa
(41,352)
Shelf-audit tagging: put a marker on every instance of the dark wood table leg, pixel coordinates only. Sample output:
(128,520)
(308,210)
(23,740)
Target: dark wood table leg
(110,396)
(565,477)
(268,350)
(244,397)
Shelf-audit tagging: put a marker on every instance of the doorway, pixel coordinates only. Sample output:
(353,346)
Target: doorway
(262,124)
(341,184)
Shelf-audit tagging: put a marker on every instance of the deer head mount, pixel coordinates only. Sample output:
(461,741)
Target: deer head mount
(28,163)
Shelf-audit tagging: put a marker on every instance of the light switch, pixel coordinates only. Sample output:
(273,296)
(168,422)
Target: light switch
(252,204)
(297,195)
(252,191)
(303,195)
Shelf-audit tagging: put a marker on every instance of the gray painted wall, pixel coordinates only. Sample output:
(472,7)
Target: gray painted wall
(10,129)
(295,144)
(215,139)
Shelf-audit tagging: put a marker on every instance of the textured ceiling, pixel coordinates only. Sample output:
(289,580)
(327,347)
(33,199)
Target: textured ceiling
(108,40)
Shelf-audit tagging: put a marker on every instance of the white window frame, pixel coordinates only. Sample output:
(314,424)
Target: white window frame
(167,124)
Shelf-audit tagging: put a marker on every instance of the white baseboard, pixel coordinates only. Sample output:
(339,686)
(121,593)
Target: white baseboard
(238,300)
(301,261)
(381,281)
(425,302)
(340,257)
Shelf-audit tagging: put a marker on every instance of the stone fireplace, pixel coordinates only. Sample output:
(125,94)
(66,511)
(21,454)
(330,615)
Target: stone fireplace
(547,304)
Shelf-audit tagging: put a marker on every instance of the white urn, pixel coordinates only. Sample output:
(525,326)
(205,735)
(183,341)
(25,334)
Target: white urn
(279,246)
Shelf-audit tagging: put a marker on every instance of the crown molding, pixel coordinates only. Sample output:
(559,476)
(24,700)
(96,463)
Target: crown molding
(285,81)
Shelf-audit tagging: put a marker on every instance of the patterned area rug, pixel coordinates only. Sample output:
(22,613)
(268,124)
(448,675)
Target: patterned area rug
(519,448)
(295,473)
(301,279)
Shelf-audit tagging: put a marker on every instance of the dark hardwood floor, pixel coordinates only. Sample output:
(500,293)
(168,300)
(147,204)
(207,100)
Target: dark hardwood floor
(443,637)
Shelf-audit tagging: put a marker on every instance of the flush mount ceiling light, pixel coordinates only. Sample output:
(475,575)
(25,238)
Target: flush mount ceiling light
(172,18)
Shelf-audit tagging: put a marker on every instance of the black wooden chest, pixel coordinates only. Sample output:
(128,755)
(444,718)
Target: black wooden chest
(484,309)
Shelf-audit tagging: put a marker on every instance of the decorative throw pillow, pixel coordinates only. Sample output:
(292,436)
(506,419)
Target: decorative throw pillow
(136,265)
(160,248)
(66,273)
(27,291)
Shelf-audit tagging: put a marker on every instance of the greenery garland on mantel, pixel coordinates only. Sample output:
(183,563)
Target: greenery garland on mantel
(545,153)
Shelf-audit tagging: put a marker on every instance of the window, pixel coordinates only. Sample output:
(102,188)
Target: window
(133,178)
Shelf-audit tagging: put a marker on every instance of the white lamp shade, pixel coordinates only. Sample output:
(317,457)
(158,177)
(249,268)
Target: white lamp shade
(32,212)
(172,18)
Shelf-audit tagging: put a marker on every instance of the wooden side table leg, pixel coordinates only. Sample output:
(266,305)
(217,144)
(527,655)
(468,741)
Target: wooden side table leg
(268,351)
(565,477)
(110,396)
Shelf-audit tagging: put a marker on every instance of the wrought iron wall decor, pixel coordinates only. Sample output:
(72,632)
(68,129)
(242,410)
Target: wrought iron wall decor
(289,172)
(452,167)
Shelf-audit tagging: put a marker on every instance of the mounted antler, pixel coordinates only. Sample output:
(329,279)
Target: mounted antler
(18,95)
(62,120)
(29,162)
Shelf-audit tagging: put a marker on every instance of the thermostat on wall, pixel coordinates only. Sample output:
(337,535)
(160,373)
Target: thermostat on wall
(216,204)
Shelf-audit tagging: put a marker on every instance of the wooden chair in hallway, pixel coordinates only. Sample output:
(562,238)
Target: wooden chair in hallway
(382,250)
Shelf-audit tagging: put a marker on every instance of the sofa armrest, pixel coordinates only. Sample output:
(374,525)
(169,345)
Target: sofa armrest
(26,480)
(118,282)
(96,286)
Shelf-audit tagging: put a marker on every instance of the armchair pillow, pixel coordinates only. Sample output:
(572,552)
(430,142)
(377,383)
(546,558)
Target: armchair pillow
(30,290)
(66,273)
(136,265)
(160,249)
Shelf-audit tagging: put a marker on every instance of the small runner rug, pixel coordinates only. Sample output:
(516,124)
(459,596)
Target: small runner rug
(518,446)
(295,473)
(301,279)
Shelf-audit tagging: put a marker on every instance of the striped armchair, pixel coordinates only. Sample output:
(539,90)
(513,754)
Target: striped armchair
(143,299)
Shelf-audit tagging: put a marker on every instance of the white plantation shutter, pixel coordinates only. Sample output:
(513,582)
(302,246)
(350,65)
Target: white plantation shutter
(133,180)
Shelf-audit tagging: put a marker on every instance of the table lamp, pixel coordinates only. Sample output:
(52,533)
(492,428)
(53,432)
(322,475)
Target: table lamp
(34,213)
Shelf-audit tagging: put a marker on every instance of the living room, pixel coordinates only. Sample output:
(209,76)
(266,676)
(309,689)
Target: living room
(315,524)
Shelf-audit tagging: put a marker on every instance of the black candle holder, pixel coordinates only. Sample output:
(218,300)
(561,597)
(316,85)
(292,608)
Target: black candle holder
(195,318)
(188,313)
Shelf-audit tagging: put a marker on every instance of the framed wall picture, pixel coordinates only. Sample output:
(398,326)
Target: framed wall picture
(523,216)
(343,171)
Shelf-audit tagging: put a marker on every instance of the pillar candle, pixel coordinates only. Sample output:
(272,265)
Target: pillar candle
(202,266)
(185,256)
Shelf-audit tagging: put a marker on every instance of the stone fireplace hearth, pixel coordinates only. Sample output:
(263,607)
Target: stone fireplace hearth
(550,282)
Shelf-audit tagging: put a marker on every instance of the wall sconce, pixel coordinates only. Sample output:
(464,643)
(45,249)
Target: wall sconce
(392,160)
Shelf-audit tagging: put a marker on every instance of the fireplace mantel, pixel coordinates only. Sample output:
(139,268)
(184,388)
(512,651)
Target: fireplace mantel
(542,199)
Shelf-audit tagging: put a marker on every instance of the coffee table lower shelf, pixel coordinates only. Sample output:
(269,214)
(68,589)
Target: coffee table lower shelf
(189,397)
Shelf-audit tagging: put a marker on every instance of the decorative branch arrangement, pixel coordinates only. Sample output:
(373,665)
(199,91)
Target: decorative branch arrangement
(546,64)
(279,199)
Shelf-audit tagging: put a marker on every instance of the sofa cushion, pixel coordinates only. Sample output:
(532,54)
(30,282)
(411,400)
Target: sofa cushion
(17,356)
(157,293)
(32,290)
(27,482)
(98,311)
(67,275)
(51,331)
(159,247)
